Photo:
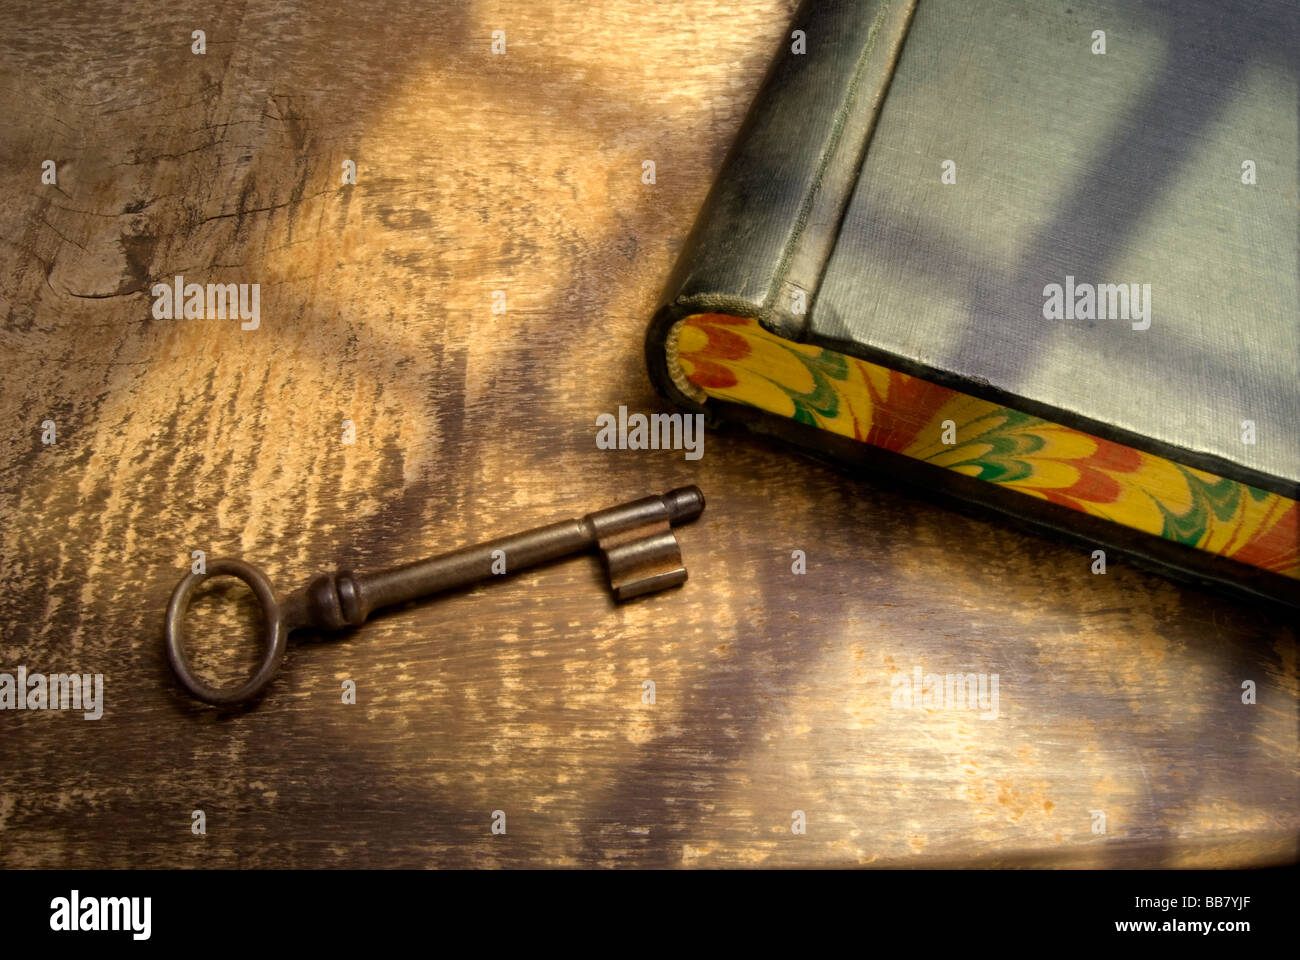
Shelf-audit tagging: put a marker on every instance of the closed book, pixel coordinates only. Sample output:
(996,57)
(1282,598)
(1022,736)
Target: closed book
(1041,259)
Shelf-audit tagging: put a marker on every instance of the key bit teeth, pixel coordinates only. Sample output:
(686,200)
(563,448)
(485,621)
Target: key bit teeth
(644,564)
(637,543)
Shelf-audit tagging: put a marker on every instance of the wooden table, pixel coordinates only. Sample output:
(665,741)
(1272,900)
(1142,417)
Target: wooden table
(518,172)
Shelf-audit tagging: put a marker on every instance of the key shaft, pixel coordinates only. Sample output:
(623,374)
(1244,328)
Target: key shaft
(640,529)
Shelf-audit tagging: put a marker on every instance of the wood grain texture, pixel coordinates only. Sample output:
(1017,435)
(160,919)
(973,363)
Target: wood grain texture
(520,173)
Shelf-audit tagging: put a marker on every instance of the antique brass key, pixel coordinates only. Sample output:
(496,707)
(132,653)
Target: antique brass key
(636,540)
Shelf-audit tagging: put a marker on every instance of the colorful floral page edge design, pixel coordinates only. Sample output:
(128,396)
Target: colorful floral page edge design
(735,359)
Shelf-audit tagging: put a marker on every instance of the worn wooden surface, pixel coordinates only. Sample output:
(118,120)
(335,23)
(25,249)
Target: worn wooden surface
(522,172)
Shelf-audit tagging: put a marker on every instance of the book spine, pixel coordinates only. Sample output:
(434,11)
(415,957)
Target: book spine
(766,230)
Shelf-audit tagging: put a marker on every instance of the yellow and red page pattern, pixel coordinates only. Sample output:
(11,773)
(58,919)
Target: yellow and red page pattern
(735,359)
